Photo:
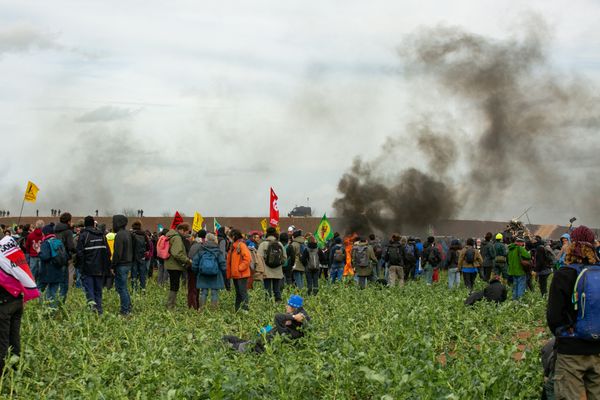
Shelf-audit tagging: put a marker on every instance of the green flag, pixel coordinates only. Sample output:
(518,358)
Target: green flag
(324,232)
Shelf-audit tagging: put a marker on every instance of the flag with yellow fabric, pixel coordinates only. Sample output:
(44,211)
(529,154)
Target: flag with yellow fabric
(197,224)
(264,224)
(323,233)
(31,192)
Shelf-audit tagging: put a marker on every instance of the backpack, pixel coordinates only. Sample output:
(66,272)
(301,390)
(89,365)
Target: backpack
(470,256)
(58,252)
(162,247)
(361,256)
(300,253)
(274,254)
(433,257)
(338,255)
(409,254)
(313,260)
(586,298)
(208,264)
(378,250)
(139,246)
(394,255)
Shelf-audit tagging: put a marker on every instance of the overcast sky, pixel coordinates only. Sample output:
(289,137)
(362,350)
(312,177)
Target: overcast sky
(205,105)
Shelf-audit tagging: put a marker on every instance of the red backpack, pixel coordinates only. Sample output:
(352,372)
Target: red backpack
(162,247)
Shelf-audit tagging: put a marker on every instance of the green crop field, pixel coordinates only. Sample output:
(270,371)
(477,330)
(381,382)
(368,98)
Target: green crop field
(417,342)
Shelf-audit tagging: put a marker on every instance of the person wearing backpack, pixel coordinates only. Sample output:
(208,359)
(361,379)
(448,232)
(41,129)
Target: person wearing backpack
(337,260)
(411,256)
(573,316)
(208,265)
(312,258)
(273,252)
(488,253)
(32,246)
(452,263)
(64,232)
(469,261)
(431,259)
(53,256)
(93,262)
(378,268)
(519,266)
(141,249)
(298,268)
(543,265)
(394,257)
(363,259)
(177,262)
(500,262)
(238,268)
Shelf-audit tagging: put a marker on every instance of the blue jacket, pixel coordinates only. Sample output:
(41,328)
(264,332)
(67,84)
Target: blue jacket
(49,272)
(209,282)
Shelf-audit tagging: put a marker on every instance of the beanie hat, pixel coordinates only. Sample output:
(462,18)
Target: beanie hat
(202,233)
(88,221)
(499,236)
(48,229)
(297,233)
(430,239)
(295,301)
(271,231)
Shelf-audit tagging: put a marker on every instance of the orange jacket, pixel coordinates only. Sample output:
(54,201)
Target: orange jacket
(238,261)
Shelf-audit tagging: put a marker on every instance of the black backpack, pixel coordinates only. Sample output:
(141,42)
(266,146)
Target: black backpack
(361,256)
(338,254)
(433,257)
(470,256)
(409,254)
(274,255)
(139,246)
(394,256)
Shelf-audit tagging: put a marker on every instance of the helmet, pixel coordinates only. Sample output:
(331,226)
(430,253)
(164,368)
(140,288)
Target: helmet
(295,301)
(499,236)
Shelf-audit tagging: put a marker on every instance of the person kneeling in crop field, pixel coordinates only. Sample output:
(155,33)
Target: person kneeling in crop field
(290,324)
(495,291)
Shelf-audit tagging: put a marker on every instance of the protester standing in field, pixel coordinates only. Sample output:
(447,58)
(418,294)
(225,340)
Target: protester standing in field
(452,263)
(577,368)
(394,257)
(193,299)
(141,250)
(337,260)
(297,248)
(275,256)
(93,262)
(122,260)
(238,269)
(53,256)
(544,264)
(177,262)
(500,262)
(519,266)
(431,259)
(64,232)
(32,247)
(363,260)
(488,253)
(469,261)
(208,266)
(312,257)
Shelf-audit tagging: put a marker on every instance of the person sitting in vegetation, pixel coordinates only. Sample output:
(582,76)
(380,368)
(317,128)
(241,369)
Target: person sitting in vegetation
(495,291)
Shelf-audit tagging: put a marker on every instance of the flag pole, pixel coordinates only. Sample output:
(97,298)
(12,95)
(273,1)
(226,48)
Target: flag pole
(21,213)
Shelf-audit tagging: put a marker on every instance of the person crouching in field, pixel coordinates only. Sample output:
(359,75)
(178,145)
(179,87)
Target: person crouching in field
(290,325)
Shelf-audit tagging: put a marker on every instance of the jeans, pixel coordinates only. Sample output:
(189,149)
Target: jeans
(92,285)
(214,295)
(519,283)
(50,290)
(273,286)
(453,278)
(121,275)
(312,280)
(336,273)
(241,293)
(299,279)
(10,328)
(34,265)
(139,274)
(428,274)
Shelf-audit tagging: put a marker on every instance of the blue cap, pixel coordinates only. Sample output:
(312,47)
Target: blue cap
(295,301)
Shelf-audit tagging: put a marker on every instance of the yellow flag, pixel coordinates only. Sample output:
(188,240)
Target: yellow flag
(31,192)
(264,223)
(197,224)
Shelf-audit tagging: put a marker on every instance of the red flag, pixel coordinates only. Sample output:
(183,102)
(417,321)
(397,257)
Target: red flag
(177,219)
(274,209)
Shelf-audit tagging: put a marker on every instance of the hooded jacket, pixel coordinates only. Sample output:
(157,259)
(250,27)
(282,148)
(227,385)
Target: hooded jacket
(238,261)
(123,245)
(179,259)
(49,271)
(488,253)
(515,253)
(204,281)
(65,234)
(363,271)
(34,241)
(271,273)
(92,252)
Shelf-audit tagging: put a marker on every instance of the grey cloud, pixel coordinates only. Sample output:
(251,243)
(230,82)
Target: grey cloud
(19,39)
(107,113)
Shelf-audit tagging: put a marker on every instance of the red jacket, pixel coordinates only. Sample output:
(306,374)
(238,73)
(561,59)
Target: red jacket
(34,240)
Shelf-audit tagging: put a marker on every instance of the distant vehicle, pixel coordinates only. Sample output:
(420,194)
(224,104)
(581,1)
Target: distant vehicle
(300,211)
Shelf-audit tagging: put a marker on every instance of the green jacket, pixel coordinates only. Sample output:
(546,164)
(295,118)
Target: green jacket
(515,253)
(179,259)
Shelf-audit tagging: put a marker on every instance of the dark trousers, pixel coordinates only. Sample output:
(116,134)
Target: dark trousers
(409,272)
(289,276)
(174,279)
(312,281)
(486,273)
(241,293)
(273,287)
(469,279)
(10,328)
(192,293)
(227,281)
(92,285)
(543,282)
